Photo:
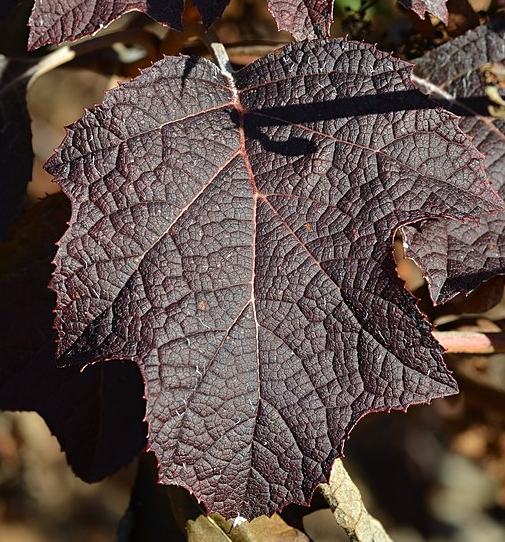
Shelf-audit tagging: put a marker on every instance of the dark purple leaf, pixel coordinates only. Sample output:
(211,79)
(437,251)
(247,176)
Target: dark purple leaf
(303,18)
(97,415)
(458,257)
(54,21)
(435,7)
(234,237)
(210,10)
(16,156)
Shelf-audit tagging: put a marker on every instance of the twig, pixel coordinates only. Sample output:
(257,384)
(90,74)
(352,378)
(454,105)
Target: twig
(219,53)
(348,509)
(471,342)
(67,53)
(57,58)
(245,54)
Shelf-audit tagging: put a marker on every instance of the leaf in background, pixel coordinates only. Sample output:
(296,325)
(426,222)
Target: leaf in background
(152,514)
(234,237)
(97,415)
(16,156)
(54,21)
(457,257)
(435,7)
(303,18)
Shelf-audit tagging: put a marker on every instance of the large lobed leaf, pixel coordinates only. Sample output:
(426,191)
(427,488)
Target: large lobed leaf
(457,257)
(97,415)
(233,235)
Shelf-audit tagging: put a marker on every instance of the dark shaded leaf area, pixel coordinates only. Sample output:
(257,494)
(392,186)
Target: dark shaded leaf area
(54,21)
(303,18)
(97,415)
(435,7)
(234,237)
(6,6)
(457,257)
(16,157)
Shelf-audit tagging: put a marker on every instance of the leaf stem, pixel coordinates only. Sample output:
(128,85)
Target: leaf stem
(471,342)
(345,502)
(244,54)
(219,53)
(57,58)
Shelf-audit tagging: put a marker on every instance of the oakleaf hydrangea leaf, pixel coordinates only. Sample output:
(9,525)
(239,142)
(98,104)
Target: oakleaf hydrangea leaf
(54,21)
(457,257)
(97,415)
(435,7)
(233,236)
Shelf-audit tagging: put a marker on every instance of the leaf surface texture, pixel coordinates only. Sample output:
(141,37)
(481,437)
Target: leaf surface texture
(54,21)
(233,236)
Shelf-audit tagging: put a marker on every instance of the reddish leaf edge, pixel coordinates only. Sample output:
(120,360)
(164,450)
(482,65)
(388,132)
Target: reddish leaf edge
(352,425)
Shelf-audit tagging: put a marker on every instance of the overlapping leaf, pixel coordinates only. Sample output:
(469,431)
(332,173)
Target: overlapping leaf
(458,257)
(233,236)
(97,415)
(54,21)
(435,7)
